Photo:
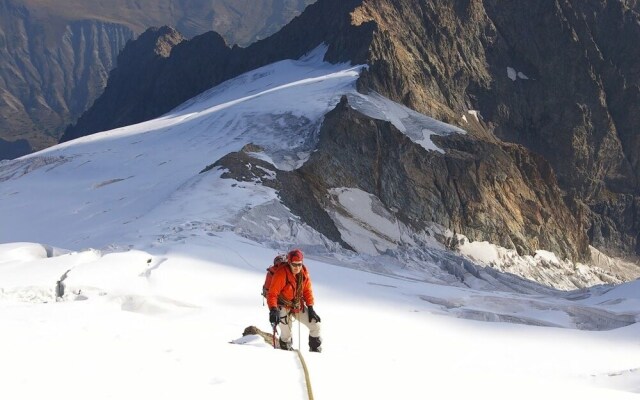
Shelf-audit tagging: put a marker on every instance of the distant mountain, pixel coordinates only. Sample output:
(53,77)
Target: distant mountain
(558,78)
(55,57)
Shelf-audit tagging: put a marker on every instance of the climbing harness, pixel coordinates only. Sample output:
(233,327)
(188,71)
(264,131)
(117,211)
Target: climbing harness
(296,302)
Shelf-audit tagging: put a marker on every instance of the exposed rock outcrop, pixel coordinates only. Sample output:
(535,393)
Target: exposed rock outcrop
(295,190)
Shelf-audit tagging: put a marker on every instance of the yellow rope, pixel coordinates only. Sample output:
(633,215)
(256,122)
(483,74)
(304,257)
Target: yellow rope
(306,375)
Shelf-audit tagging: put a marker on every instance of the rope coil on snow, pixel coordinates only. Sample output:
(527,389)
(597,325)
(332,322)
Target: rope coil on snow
(306,375)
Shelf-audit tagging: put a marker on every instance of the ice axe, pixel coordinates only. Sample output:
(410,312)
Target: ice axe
(275,332)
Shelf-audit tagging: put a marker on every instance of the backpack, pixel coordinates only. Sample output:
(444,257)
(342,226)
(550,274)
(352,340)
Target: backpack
(278,262)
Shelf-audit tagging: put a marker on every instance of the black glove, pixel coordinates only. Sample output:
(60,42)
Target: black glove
(313,315)
(274,316)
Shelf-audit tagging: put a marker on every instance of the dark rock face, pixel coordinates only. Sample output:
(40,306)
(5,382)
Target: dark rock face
(559,77)
(587,130)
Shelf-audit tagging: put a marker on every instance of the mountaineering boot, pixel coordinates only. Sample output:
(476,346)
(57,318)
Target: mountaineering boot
(285,345)
(314,344)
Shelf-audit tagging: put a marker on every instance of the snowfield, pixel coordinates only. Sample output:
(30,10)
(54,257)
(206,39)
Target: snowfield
(130,328)
(125,273)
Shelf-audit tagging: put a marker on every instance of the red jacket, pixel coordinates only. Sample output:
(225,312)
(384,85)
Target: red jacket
(284,287)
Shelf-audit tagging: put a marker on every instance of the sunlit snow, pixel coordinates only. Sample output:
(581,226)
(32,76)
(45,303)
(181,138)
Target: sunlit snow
(161,268)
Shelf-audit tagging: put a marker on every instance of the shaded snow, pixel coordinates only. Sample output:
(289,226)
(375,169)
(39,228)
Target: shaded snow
(544,267)
(364,223)
(416,126)
(514,75)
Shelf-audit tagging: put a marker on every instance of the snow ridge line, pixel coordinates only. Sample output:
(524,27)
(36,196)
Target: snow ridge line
(306,375)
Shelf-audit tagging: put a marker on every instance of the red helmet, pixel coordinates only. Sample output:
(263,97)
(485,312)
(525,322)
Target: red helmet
(295,256)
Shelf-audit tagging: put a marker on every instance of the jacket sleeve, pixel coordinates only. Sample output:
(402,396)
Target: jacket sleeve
(277,284)
(307,290)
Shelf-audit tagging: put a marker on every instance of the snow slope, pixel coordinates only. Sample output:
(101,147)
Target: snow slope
(129,328)
(120,176)
(162,267)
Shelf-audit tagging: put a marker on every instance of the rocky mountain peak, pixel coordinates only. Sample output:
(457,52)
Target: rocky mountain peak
(154,42)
